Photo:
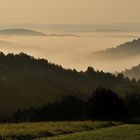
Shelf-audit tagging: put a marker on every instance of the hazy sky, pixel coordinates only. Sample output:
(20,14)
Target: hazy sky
(69,11)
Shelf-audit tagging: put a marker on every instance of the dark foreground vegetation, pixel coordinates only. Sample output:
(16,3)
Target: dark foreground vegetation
(36,90)
(27,82)
(72,108)
(102,105)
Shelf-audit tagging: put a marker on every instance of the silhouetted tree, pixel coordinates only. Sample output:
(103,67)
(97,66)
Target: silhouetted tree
(120,76)
(104,104)
(90,71)
(133,105)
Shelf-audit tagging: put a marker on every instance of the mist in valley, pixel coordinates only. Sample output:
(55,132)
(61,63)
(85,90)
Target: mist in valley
(73,50)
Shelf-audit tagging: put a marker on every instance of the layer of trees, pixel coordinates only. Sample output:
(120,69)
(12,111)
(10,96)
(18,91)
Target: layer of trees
(27,82)
(103,104)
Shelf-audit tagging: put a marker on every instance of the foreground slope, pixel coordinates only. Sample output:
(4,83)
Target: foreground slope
(30,131)
(123,132)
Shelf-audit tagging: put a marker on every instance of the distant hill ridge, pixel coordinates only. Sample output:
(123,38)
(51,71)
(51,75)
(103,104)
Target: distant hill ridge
(128,49)
(27,32)
(134,72)
(20,31)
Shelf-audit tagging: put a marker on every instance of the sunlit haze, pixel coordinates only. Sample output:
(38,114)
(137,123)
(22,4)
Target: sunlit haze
(75,30)
(69,11)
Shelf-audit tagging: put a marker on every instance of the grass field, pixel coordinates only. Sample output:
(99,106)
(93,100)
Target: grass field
(30,131)
(121,132)
(87,130)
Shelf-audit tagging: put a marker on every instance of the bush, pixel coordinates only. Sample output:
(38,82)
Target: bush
(106,105)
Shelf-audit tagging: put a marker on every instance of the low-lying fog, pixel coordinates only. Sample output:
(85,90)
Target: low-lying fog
(72,51)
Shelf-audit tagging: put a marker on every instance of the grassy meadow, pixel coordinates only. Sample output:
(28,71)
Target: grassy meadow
(122,132)
(86,130)
(41,130)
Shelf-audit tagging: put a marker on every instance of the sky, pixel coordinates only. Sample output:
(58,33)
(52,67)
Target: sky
(69,11)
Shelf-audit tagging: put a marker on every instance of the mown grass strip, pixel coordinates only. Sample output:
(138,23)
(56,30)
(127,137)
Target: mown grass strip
(47,129)
(122,132)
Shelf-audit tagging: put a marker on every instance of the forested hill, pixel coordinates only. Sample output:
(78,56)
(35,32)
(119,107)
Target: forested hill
(126,50)
(134,72)
(28,82)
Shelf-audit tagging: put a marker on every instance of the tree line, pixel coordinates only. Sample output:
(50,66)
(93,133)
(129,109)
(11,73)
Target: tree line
(103,104)
(27,82)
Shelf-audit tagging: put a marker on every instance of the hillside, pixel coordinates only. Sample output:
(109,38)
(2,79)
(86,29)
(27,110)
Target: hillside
(28,82)
(126,50)
(21,32)
(134,72)
(122,132)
